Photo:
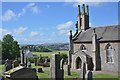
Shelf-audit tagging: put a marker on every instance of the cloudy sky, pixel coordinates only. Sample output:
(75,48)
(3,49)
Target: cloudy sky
(50,22)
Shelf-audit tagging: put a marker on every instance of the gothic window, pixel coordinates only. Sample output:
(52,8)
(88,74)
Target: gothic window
(83,48)
(109,53)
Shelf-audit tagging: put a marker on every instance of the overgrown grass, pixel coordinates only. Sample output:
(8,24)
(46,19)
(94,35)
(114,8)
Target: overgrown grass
(49,53)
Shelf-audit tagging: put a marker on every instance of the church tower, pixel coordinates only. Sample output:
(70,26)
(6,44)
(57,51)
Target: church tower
(83,18)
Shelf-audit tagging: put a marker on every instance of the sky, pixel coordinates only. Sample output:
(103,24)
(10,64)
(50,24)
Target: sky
(50,22)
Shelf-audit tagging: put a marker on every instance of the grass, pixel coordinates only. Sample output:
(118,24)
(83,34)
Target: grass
(105,76)
(1,69)
(49,53)
(46,74)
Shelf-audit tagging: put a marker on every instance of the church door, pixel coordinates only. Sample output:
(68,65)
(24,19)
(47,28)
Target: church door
(78,63)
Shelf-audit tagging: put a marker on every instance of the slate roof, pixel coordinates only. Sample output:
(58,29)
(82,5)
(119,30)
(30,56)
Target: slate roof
(105,33)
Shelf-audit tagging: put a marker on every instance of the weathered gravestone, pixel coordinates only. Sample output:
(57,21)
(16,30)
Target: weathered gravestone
(22,57)
(40,70)
(83,72)
(29,64)
(21,73)
(89,75)
(8,65)
(56,73)
(15,63)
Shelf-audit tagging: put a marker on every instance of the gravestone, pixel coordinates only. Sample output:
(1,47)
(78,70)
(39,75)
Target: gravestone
(83,71)
(89,75)
(62,67)
(29,64)
(8,65)
(21,73)
(40,70)
(15,63)
(35,61)
(55,71)
(22,57)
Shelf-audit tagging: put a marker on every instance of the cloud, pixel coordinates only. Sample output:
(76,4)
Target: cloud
(65,28)
(8,15)
(32,7)
(35,9)
(4,31)
(34,33)
(20,30)
(66,25)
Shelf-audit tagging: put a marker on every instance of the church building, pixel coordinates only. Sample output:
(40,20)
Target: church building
(96,47)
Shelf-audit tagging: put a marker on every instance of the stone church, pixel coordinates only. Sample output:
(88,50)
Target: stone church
(96,47)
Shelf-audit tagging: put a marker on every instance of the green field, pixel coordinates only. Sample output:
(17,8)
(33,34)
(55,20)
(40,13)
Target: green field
(49,53)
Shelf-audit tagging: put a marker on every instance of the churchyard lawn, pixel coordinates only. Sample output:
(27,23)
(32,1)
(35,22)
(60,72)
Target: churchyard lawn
(46,73)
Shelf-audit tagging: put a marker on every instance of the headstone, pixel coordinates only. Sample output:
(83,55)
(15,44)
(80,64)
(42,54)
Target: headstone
(83,71)
(22,58)
(35,61)
(40,70)
(69,73)
(21,73)
(55,71)
(62,67)
(8,65)
(62,63)
(89,75)
(29,64)
(15,63)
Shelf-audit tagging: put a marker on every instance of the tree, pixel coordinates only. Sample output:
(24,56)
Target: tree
(10,48)
(0,49)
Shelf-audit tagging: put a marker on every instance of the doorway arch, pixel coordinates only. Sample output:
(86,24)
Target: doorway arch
(78,63)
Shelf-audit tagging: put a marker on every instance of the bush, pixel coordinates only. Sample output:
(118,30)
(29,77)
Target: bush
(64,56)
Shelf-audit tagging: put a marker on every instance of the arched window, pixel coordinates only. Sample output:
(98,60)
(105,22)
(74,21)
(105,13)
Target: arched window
(83,48)
(109,53)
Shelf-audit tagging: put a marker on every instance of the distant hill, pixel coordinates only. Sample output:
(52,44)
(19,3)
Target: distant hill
(56,46)
(47,47)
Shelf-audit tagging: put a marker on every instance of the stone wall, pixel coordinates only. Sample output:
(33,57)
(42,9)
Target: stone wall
(104,65)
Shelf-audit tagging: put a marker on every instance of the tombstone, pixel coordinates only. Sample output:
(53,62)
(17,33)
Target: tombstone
(40,70)
(55,71)
(15,63)
(35,61)
(8,65)
(21,73)
(29,64)
(83,71)
(89,75)
(22,58)
(62,67)
(45,61)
